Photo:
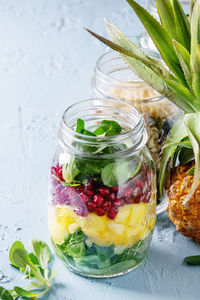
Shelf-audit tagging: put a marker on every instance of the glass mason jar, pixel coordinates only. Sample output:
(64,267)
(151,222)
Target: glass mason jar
(144,39)
(114,80)
(102,191)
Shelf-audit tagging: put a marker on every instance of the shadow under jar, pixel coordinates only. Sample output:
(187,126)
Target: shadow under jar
(114,80)
(102,191)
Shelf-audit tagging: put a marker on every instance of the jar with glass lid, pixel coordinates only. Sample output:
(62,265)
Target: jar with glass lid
(102,196)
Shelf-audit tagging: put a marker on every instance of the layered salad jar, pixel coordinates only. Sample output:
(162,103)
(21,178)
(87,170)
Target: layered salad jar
(102,196)
(113,79)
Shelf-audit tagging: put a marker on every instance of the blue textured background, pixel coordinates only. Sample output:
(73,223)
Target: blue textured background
(46,63)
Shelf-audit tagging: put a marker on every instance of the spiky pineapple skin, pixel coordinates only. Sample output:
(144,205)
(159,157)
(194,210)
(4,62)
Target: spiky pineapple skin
(186,218)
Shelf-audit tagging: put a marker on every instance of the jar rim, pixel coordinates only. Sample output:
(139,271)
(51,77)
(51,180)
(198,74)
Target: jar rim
(133,116)
(104,138)
(104,78)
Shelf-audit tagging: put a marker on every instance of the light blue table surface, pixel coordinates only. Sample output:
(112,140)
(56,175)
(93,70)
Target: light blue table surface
(46,64)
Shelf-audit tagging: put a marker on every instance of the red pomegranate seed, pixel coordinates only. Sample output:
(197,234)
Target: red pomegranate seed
(111,197)
(112,213)
(98,200)
(81,189)
(107,205)
(104,191)
(89,186)
(91,206)
(115,189)
(90,193)
(118,202)
(99,211)
(84,197)
(136,200)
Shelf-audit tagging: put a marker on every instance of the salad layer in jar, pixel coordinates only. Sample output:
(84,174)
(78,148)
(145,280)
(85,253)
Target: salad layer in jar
(102,210)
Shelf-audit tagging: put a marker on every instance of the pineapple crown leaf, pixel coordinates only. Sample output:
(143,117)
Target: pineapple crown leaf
(184,58)
(166,15)
(178,133)
(184,134)
(195,32)
(192,3)
(178,43)
(182,25)
(196,73)
(161,39)
(192,125)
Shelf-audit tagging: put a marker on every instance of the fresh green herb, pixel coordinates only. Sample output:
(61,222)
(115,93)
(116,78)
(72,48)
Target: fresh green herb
(96,259)
(109,128)
(4,294)
(35,267)
(74,244)
(42,253)
(69,172)
(90,166)
(192,260)
(80,126)
(117,173)
(111,173)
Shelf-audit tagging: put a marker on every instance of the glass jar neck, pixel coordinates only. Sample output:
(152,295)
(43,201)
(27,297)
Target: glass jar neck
(92,112)
(113,78)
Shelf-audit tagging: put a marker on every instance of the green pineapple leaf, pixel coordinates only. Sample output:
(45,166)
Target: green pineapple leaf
(192,3)
(196,73)
(195,33)
(120,39)
(161,39)
(166,14)
(178,133)
(184,58)
(186,127)
(182,25)
(154,76)
(192,124)
(173,90)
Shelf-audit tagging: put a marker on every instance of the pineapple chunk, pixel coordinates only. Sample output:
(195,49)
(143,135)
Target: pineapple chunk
(129,226)
(58,232)
(115,228)
(73,227)
(123,215)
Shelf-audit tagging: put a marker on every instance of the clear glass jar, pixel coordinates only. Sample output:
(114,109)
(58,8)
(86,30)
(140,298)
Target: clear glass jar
(102,191)
(114,80)
(144,39)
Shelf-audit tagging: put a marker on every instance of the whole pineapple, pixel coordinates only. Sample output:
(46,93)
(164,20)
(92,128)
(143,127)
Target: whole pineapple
(177,38)
(186,219)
